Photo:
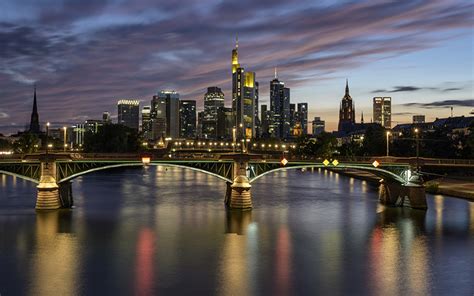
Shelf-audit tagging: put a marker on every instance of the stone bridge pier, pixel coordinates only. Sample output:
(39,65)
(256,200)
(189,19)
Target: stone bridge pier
(238,194)
(51,195)
(410,194)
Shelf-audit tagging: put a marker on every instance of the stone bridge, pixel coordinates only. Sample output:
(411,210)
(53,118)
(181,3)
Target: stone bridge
(53,173)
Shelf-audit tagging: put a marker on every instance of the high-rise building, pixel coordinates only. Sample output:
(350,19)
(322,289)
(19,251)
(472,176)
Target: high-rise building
(34,122)
(418,119)
(257,121)
(382,111)
(165,114)
(280,107)
(267,122)
(293,116)
(244,92)
(199,125)
(213,101)
(146,122)
(187,119)
(346,111)
(128,113)
(302,117)
(318,126)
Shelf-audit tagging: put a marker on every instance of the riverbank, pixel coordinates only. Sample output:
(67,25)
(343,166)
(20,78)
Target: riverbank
(446,186)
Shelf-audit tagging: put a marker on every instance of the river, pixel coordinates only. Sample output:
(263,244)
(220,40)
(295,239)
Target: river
(152,230)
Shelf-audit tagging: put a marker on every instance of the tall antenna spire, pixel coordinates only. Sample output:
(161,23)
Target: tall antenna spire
(236,40)
(347,87)
(276,73)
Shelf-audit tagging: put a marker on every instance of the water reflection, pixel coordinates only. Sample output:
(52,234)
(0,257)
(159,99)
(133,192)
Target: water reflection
(144,269)
(55,263)
(237,221)
(399,253)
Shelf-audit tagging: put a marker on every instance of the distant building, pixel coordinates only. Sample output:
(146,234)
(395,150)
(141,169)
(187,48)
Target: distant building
(213,101)
(106,117)
(146,123)
(34,122)
(293,116)
(199,125)
(318,126)
(418,119)
(225,123)
(187,119)
(280,107)
(382,111)
(244,97)
(450,125)
(165,114)
(129,113)
(346,112)
(302,117)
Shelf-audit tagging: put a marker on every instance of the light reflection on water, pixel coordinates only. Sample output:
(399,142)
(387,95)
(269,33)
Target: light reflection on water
(155,230)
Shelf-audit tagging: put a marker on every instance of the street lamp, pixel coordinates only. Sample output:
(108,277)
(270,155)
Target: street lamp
(47,136)
(234,130)
(417,149)
(388,134)
(65,131)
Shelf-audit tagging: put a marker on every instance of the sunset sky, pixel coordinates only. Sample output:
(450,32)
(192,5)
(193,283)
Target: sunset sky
(85,55)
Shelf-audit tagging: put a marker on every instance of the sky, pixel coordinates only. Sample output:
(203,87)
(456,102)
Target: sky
(86,55)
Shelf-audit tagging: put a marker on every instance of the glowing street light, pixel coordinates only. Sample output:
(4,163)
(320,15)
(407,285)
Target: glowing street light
(47,136)
(388,134)
(417,149)
(65,131)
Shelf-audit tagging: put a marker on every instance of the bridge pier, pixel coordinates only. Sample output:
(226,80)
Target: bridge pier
(47,197)
(410,194)
(238,194)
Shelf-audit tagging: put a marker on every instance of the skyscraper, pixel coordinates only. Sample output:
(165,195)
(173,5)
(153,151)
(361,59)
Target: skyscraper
(106,117)
(146,122)
(418,119)
(244,92)
(165,114)
(346,112)
(280,107)
(213,101)
(128,113)
(187,119)
(382,111)
(302,117)
(34,122)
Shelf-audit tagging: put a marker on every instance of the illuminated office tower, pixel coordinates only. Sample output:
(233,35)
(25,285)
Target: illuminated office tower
(146,122)
(302,117)
(187,119)
(213,102)
(165,114)
(382,111)
(280,107)
(244,93)
(129,113)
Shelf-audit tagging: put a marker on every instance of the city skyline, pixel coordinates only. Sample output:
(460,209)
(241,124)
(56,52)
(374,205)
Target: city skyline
(78,78)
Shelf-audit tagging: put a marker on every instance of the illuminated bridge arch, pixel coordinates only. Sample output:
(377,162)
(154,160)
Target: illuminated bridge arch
(256,172)
(30,171)
(69,170)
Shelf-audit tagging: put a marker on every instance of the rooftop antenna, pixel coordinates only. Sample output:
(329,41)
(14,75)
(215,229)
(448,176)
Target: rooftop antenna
(451,111)
(276,73)
(236,40)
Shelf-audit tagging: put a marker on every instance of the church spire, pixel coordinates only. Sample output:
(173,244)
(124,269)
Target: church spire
(347,88)
(362,117)
(34,123)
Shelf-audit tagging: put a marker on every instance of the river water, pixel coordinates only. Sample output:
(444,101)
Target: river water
(148,231)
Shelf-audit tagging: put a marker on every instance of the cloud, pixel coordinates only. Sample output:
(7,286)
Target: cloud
(403,113)
(4,115)
(85,55)
(445,103)
(452,89)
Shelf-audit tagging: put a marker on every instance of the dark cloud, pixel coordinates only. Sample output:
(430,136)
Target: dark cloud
(403,113)
(445,103)
(85,55)
(452,89)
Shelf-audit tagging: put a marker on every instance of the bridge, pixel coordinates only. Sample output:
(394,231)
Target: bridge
(53,173)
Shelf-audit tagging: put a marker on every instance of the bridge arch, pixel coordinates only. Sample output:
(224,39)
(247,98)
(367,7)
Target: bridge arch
(376,171)
(19,176)
(73,176)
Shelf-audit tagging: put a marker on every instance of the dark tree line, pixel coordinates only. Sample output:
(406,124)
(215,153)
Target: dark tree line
(112,138)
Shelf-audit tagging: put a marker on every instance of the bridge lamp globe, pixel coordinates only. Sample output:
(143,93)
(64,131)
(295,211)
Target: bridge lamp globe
(50,145)
(146,160)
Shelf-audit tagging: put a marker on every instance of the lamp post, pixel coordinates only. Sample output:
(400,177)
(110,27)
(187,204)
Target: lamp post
(65,131)
(388,135)
(417,149)
(234,130)
(242,135)
(47,136)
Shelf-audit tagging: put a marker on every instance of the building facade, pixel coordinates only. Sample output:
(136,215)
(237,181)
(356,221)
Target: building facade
(418,119)
(187,119)
(213,103)
(165,114)
(146,123)
(382,111)
(318,126)
(302,117)
(280,108)
(128,113)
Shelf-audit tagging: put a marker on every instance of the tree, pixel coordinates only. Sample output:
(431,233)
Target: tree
(112,138)
(321,146)
(374,143)
(27,143)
